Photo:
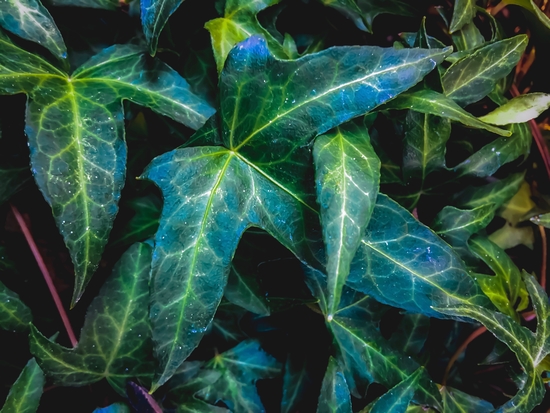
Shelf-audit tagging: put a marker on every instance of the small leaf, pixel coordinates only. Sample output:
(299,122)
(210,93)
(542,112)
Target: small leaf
(543,220)
(397,399)
(14,314)
(115,340)
(113,408)
(411,334)
(154,15)
(12,180)
(456,401)
(496,193)
(243,290)
(520,109)
(335,396)
(464,13)
(472,78)
(24,395)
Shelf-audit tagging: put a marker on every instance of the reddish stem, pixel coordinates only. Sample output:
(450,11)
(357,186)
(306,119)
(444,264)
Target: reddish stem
(46,274)
(542,279)
(459,351)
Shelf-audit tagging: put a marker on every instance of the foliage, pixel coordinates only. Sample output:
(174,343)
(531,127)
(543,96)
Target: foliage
(303,205)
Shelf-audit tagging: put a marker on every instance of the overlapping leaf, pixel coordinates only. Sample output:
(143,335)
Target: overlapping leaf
(543,219)
(520,109)
(143,224)
(14,314)
(25,394)
(270,111)
(76,130)
(532,7)
(464,12)
(154,16)
(397,399)
(115,342)
(114,408)
(467,38)
(411,334)
(92,4)
(495,193)
(296,381)
(335,396)
(456,401)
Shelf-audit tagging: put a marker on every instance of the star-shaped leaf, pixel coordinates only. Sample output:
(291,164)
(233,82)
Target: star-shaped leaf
(397,399)
(24,395)
(456,401)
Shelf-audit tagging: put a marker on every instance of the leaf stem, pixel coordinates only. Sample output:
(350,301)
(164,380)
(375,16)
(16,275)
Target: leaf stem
(459,351)
(46,274)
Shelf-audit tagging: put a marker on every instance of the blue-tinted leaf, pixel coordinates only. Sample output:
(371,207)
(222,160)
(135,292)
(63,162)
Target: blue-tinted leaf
(154,15)
(397,399)
(335,396)
(114,408)
(411,334)
(296,381)
(495,193)
(24,395)
(455,401)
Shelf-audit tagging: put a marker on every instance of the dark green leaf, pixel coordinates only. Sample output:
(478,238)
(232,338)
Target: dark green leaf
(411,334)
(467,38)
(115,340)
(198,406)
(154,15)
(520,109)
(397,399)
(92,4)
(76,134)
(296,381)
(243,290)
(455,401)
(539,299)
(24,395)
(472,78)
(335,396)
(464,13)
(114,408)
(143,224)
(14,314)
(532,7)
(496,193)
(11,181)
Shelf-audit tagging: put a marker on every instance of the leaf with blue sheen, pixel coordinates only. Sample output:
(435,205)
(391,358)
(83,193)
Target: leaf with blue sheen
(114,408)
(456,401)
(30,20)
(404,264)
(240,368)
(464,12)
(270,111)
(456,226)
(154,16)
(92,4)
(115,340)
(14,314)
(75,128)
(496,193)
(475,76)
(25,393)
(397,399)
(411,334)
(12,180)
(347,174)
(335,396)
(243,290)
(520,109)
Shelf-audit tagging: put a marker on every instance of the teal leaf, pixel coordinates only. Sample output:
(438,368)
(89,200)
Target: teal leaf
(240,368)
(143,224)
(190,377)
(243,290)
(411,334)
(115,340)
(464,12)
(397,399)
(12,180)
(198,406)
(433,103)
(114,408)
(154,15)
(335,396)
(270,111)
(24,395)
(14,314)
(30,20)
(347,174)
(76,134)
(496,193)
(520,109)
(456,401)
(423,269)
(473,77)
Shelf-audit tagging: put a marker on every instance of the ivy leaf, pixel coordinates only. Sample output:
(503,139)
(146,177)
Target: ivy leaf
(473,77)
(424,270)
(432,103)
(270,111)
(115,340)
(520,109)
(14,314)
(154,15)
(240,368)
(12,180)
(243,290)
(464,13)
(496,193)
(411,334)
(397,399)
(363,12)
(114,408)
(30,20)
(24,395)
(347,173)
(335,396)
(456,226)
(456,401)
(468,37)
(76,134)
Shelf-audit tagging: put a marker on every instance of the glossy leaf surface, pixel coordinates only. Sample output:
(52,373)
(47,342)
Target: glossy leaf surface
(464,12)
(76,131)
(543,220)
(296,381)
(397,399)
(14,314)
(335,396)
(539,300)
(495,193)
(532,7)
(520,109)
(115,340)
(456,401)
(92,4)
(154,15)
(24,395)
(411,334)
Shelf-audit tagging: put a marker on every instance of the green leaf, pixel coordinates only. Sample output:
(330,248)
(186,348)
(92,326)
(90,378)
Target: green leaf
(76,134)
(30,20)
(238,24)
(347,174)
(296,380)
(433,103)
(456,401)
(240,368)
(533,8)
(143,224)
(92,4)
(270,111)
(539,299)
(424,270)
(397,399)
(12,180)
(24,395)
(243,290)
(456,226)
(14,314)
(543,220)
(520,109)
(411,334)
(335,396)
(154,15)
(472,78)
(467,38)
(496,193)
(363,12)
(505,287)
(114,408)
(424,145)
(501,151)
(464,13)
(115,340)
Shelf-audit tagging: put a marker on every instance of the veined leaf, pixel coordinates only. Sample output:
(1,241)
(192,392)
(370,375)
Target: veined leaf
(532,7)
(24,395)
(347,173)
(114,408)
(397,399)
(464,12)
(14,314)
(243,290)
(154,15)
(11,181)
(363,12)
(472,78)
(115,340)
(520,109)
(270,111)
(467,38)
(296,381)
(76,134)
(30,20)
(335,396)
(456,401)
(433,103)
(543,220)
(411,334)
(539,299)
(496,193)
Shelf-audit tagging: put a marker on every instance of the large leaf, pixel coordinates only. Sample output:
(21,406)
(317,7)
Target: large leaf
(115,340)
(270,111)
(397,399)
(14,314)
(464,12)
(154,15)
(472,78)
(404,264)
(24,395)
(76,134)
(335,396)
(520,109)
(347,173)
(30,20)
(495,193)
(12,179)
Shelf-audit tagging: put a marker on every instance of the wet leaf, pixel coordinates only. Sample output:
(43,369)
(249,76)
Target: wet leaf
(24,395)
(335,396)
(543,219)
(14,314)
(520,109)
